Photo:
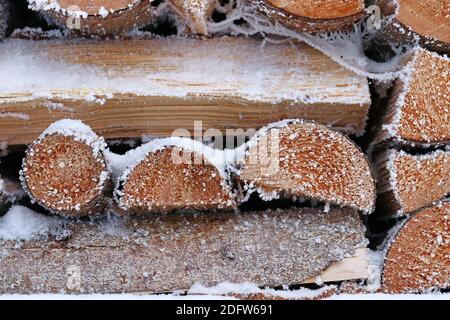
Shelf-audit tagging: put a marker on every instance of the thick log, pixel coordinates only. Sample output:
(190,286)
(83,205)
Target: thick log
(174,252)
(418,257)
(418,112)
(65,171)
(98,17)
(302,159)
(407,183)
(194,13)
(174,174)
(314,16)
(123,89)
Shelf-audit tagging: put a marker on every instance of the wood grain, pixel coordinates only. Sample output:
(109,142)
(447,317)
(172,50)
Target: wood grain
(130,88)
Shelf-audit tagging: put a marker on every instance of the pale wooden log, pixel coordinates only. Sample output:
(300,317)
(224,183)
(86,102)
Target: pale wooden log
(314,16)
(418,111)
(227,83)
(173,174)
(174,252)
(303,159)
(418,257)
(407,183)
(98,17)
(65,171)
(194,13)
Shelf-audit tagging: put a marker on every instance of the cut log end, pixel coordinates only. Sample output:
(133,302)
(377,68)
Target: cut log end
(314,16)
(307,160)
(418,258)
(65,175)
(98,17)
(408,183)
(173,179)
(194,13)
(419,110)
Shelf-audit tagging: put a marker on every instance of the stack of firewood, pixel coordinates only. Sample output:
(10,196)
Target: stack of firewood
(286,205)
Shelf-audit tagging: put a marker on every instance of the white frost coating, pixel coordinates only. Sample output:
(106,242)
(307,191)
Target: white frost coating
(21,223)
(346,48)
(374,270)
(28,70)
(227,288)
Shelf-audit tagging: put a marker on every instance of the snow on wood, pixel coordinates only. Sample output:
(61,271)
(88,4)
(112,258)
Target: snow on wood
(295,158)
(96,16)
(175,251)
(418,257)
(173,174)
(314,16)
(194,13)
(65,171)
(419,108)
(10,193)
(129,88)
(407,182)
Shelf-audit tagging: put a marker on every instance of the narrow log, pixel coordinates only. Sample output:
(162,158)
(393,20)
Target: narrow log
(419,109)
(4,14)
(307,160)
(98,17)
(418,257)
(314,16)
(194,13)
(174,174)
(407,183)
(174,252)
(177,82)
(64,170)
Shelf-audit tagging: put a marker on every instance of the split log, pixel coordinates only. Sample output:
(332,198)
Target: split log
(173,252)
(65,171)
(418,257)
(174,174)
(128,90)
(426,22)
(407,183)
(4,14)
(97,17)
(194,13)
(302,159)
(313,16)
(419,109)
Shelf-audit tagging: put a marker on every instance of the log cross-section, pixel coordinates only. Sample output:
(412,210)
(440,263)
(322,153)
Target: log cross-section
(126,89)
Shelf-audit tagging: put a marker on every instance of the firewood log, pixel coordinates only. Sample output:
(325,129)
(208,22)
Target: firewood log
(418,257)
(307,160)
(173,174)
(65,171)
(424,22)
(97,17)
(4,14)
(194,13)
(407,182)
(175,251)
(177,82)
(313,16)
(418,112)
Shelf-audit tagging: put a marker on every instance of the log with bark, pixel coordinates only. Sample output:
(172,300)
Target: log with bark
(65,171)
(175,251)
(96,17)
(174,174)
(313,16)
(423,22)
(407,183)
(418,258)
(296,158)
(418,111)
(126,89)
